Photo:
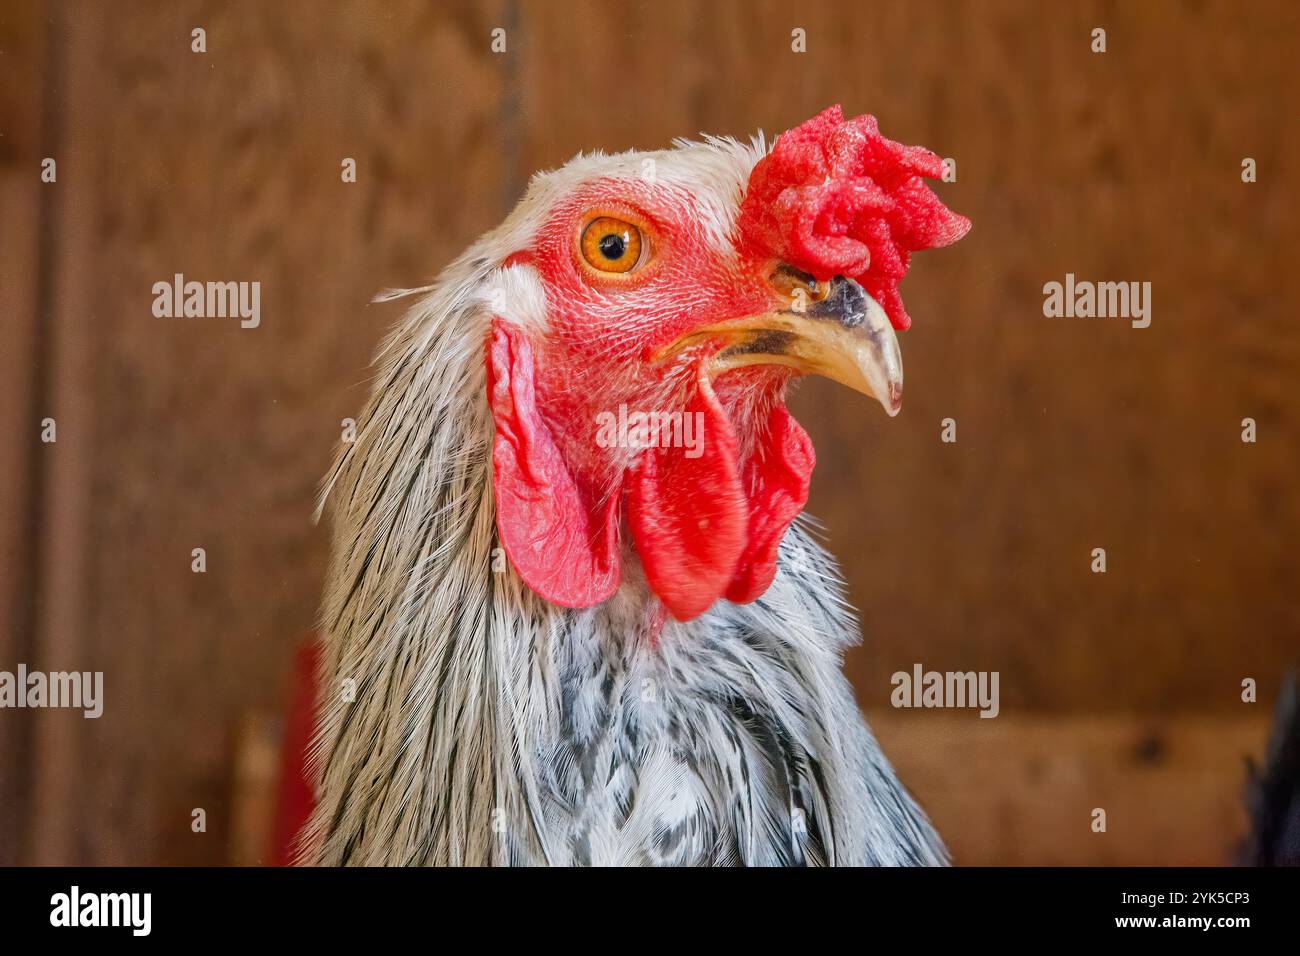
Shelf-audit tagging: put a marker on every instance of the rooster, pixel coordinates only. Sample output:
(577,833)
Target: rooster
(547,647)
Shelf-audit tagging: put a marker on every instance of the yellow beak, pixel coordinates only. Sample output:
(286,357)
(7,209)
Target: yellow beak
(834,329)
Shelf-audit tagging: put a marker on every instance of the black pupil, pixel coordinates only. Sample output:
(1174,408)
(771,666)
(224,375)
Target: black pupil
(612,246)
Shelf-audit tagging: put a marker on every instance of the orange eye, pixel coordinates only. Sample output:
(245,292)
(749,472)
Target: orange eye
(611,245)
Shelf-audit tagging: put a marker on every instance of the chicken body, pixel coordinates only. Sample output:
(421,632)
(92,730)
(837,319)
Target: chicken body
(467,719)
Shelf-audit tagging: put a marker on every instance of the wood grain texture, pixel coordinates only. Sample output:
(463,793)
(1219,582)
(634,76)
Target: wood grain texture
(23,108)
(1027,786)
(1072,434)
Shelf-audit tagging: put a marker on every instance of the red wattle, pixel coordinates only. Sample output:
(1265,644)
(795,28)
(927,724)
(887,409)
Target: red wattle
(688,515)
(563,544)
(777,476)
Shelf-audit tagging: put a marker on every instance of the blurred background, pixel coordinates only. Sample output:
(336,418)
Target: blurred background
(1120,690)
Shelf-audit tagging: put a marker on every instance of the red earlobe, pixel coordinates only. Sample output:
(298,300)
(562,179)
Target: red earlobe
(563,544)
(776,478)
(688,514)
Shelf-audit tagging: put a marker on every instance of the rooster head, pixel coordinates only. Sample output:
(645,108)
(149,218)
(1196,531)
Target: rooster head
(648,314)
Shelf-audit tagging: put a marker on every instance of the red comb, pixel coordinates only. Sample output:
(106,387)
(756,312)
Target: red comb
(837,198)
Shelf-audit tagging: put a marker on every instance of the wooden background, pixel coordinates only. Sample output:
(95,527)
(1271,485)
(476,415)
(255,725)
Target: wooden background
(1119,690)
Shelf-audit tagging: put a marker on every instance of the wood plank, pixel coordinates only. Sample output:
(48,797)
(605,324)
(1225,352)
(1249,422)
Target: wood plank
(596,77)
(66,553)
(1020,790)
(23,37)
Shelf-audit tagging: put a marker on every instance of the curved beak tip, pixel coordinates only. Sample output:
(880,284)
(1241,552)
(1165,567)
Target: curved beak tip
(894,403)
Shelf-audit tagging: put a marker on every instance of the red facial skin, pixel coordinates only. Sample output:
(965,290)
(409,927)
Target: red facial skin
(606,328)
(703,526)
(833,197)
